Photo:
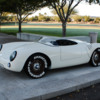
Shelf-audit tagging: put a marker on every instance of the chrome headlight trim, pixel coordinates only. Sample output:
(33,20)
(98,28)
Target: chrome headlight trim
(13,55)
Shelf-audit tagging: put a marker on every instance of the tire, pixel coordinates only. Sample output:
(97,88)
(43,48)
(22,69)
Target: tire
(36,66)
(95,59)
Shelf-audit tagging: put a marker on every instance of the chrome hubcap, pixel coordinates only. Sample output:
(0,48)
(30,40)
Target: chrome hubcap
(36,66)
(96,57)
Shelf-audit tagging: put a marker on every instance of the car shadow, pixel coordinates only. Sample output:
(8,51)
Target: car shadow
(50,73)
(60,70)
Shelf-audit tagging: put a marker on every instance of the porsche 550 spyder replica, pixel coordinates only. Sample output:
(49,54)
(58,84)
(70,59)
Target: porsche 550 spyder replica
(48,53)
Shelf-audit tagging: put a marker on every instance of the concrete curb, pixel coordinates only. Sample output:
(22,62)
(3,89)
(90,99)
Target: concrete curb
(76,84)
(34,37)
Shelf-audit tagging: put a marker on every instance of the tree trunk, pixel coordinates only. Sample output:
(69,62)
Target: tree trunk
(0,21)
(64,29)
(20,26)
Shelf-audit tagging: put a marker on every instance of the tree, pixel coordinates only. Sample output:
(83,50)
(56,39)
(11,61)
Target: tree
(56,18)
(40,17)
(59,6)
(3,7)
(5,16)
(94,1)
(86,18)
(23,8)
(34,18)
(74,12)
(77,18)
(97,20)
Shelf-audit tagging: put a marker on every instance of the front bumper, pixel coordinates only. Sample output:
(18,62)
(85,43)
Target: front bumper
(3,63)
(13,65)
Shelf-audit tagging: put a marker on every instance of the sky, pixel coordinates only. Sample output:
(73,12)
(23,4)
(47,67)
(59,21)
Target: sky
(84,9)
(88,10)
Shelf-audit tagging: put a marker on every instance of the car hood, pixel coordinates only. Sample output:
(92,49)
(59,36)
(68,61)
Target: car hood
(8,48)
(15,45)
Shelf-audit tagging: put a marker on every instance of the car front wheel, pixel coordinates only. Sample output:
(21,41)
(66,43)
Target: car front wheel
(95,59)
(36,66)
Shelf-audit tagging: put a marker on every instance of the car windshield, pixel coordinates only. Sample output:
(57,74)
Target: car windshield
(48,40)
(55,41)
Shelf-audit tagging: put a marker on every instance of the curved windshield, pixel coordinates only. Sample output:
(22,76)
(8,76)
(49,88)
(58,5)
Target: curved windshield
(48,40)
(45,40)
(54,41)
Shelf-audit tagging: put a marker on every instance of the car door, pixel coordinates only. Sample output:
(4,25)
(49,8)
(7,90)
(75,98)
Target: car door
(70,50)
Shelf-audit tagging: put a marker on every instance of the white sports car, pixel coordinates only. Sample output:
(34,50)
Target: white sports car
(48,53)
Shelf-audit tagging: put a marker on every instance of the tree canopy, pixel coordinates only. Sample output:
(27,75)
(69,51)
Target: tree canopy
(22,8)
(59,6)
(65,10)
(94,1)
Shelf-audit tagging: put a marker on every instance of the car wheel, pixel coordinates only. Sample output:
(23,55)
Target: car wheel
(36,66)
(95,59)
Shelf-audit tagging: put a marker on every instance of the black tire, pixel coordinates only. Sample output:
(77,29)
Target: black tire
(36,66)
(95,59)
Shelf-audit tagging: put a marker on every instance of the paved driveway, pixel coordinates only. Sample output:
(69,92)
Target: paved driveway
(17,86)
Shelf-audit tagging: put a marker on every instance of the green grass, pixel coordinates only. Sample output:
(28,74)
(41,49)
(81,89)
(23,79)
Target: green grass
(52,31)
(46,23)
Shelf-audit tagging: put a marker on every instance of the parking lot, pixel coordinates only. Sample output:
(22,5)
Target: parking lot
(17,86)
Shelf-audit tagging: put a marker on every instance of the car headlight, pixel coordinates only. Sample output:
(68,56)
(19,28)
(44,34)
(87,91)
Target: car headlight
(1,47)
(13,55)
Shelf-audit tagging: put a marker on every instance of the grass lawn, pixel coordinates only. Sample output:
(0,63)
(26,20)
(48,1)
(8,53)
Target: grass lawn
(46,24)
(52,31)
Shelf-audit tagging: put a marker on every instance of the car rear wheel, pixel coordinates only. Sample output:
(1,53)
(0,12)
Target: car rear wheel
(36,66)
(95,59)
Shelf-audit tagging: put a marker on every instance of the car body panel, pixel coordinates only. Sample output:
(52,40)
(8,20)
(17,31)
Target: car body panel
(70,52)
